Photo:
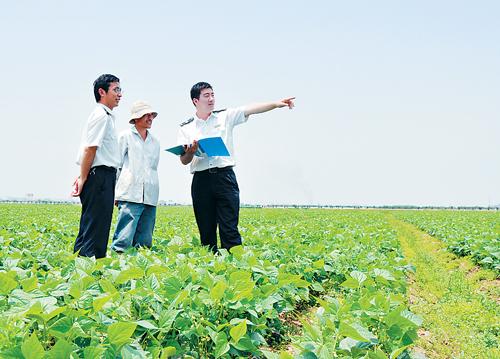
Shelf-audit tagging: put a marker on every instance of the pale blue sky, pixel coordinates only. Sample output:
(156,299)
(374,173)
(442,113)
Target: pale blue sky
(397,101)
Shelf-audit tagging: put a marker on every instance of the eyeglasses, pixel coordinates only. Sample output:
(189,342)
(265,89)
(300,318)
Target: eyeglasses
(117,90)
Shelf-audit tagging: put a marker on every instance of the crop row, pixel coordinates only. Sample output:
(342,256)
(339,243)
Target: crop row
(179,300)
(466,233)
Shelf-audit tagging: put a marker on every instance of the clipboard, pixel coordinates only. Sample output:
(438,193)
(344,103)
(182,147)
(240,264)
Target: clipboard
(211,146)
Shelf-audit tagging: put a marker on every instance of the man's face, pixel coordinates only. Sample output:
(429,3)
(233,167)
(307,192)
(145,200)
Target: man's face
(145,121)
(206,102)
(112,97)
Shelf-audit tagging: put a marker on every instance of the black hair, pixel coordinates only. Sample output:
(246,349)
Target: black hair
(103,82)
(196,89)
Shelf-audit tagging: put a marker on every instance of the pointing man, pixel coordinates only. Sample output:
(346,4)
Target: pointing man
(214,190)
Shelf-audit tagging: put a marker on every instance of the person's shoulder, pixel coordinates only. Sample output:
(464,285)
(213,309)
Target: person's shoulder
(98,114)
(125,133)
(187,122)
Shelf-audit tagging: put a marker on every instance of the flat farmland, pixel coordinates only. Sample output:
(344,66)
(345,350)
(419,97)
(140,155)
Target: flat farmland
(305,284)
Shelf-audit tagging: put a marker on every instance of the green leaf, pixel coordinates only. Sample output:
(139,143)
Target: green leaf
(168,352)
(217,292)
(107,286)
(238,331)
(221,345)
(62,325)
(355,331)
(128,274)
(133,352)
(32,349)
(29,284)
(98,303)
(413,318)
(119,333)
(360,277)
(146,324)
(7,284)
(398,351)
(62,349)
(94,352)
(270,355)
(319,264)
(377,354)
(238,252)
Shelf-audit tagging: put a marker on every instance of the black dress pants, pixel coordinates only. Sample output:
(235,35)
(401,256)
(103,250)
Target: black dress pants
(97,200)
(216,202)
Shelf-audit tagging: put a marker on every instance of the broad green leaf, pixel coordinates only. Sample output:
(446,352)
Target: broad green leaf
(62,325)
(119,333)
(30,283)
(238,252)
(7,284)
(355,331)
(168,352)
(377,354)
(76,289)
(54,313)
(146,324)
(270,355)
(107,286)
(217,292)
(62,349)
(32,349)
(360,277)
(413,318)
(221,345)
(295,279)
(384,274)
(133,352)
(238,331)
(397,352)
(94,352)
(319,264)
(98,303)
(157,269)
(128,274)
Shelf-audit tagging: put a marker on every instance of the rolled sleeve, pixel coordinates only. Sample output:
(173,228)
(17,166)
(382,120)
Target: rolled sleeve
(236,116)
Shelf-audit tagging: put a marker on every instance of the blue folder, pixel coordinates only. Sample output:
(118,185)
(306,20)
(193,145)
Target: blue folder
(211,146)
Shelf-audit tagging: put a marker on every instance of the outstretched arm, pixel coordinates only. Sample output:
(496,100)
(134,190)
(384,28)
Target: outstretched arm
(268,106)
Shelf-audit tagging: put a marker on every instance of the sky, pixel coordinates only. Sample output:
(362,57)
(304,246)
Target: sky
(397,102)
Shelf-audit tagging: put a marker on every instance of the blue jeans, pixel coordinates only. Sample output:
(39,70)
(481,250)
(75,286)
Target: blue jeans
(134,227)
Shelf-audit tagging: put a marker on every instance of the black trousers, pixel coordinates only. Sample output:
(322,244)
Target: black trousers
(97,200)
(216,202)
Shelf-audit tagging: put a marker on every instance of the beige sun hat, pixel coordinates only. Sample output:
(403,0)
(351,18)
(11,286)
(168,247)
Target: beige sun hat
(139,109)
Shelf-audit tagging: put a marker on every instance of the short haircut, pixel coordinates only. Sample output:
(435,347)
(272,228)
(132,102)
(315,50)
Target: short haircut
(196,89)
(103,82)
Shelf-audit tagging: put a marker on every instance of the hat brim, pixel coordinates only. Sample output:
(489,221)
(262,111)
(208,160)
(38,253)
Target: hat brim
(140,114)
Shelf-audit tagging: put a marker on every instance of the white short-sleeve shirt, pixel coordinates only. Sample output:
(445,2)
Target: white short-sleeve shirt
(138,178)
(100,131)
(218,124)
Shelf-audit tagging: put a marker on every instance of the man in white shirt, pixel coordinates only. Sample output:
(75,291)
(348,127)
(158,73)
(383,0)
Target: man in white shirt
(137,188)
(214,190)
(98,159)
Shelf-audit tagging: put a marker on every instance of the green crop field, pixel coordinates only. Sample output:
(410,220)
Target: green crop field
(306,284)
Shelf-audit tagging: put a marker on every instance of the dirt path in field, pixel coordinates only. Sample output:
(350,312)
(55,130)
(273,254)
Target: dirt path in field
(458,301)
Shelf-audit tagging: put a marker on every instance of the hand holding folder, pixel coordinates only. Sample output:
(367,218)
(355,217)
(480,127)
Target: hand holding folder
(211,146)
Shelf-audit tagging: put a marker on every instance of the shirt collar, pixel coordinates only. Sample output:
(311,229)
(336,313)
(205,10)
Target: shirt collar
(107,109)
(134,130)
(212,114)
